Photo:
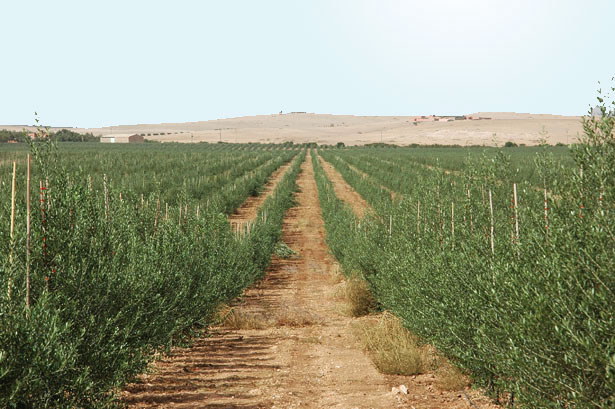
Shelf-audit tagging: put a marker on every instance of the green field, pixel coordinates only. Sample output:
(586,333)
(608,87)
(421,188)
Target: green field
(503,259)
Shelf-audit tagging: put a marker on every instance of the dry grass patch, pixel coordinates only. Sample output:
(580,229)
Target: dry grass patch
(391,347)
(234,318)
(450,378)
(311,340)
(294,317)
(229,317)
(335,275)
(358,296)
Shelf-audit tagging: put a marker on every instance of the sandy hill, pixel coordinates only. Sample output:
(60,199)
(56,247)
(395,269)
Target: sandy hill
(359,130)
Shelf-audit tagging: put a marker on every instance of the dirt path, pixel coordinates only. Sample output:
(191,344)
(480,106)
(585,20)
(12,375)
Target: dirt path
(304,356)
(247,212)
(344,191)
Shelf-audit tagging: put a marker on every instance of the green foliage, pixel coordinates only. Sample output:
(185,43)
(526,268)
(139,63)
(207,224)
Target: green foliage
(63,135)
(66,135)
(6,135)
(533,316)
(113,279)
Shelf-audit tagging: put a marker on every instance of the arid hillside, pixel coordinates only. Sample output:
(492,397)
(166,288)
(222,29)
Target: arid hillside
(359,130)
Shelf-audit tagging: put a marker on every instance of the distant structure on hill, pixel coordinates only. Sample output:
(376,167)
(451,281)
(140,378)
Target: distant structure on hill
(475,118)
(436,118)
(122,138)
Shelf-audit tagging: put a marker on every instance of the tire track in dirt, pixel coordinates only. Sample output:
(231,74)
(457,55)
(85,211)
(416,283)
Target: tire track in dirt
(305,357)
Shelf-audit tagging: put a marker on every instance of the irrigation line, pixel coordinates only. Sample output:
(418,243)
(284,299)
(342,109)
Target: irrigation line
(469,400)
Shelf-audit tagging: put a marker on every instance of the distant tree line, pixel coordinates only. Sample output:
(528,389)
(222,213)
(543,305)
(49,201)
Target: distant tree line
(63,135)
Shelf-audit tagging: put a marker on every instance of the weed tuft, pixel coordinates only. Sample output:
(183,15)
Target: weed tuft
(283,251)
(360,299)
(294,317)
(229,317)
(450,378)
(391,347)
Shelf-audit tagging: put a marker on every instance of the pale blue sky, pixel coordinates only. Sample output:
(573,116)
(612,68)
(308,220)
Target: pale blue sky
(94,63)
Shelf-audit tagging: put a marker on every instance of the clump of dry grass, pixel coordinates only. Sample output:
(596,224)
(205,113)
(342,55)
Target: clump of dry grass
(358,296)
(234,318)
(450,378)
(294,317)
(391,347)
(229,317)
(335,275)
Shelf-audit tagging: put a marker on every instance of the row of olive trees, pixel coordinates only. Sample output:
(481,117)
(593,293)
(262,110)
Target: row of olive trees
(514,283)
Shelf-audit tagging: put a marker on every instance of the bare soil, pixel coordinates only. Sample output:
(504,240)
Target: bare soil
(344,191)
(247,212)
(357,130)
(318,364)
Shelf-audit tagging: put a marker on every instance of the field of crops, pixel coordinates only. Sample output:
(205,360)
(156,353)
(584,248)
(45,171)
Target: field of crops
(503,259)
(508,272)
(121,251)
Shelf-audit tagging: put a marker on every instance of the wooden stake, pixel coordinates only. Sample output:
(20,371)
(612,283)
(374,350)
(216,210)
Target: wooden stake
(106,197)
(390,225)
(440,222)
(28,235)
(471,217)
(43,228)
(156,217)
(418,217)
(492,223)
(546,217)
(453,223)
(10,281)
(581,194)
(166,211)
(516,212)
(48,195)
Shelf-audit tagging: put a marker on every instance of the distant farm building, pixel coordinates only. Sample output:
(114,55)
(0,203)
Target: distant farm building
(122,138)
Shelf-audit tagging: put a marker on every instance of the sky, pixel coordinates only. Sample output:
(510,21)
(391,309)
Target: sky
(101,63)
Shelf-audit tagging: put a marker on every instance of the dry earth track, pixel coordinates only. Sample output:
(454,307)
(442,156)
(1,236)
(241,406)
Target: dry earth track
(247,212)
(344,191)
(316,365)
